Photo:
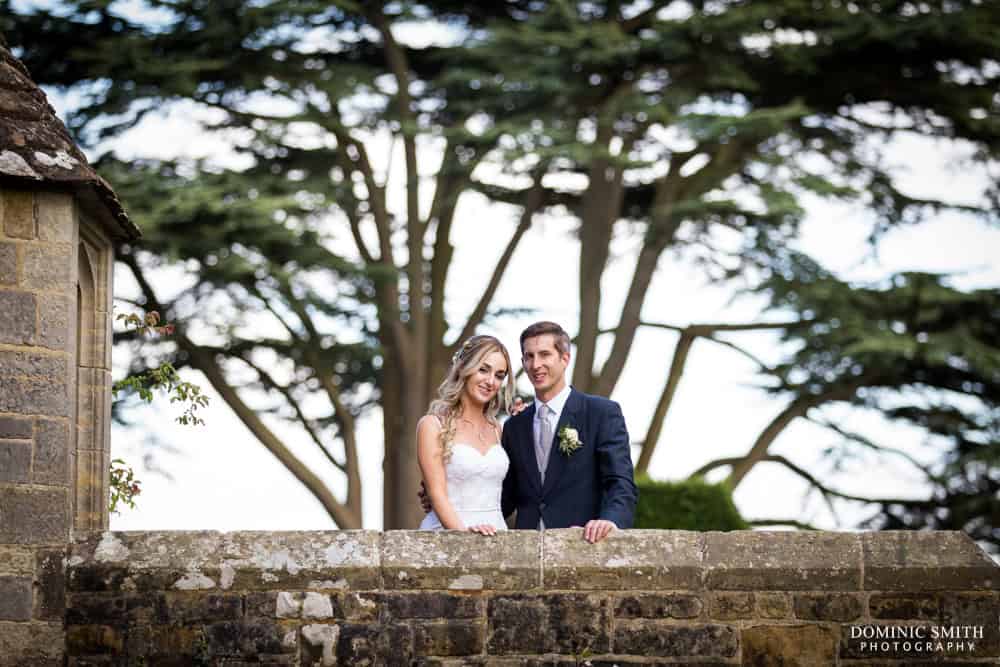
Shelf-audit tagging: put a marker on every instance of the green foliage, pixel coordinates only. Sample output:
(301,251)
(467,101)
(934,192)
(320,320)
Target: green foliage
(124,486)
(690,504)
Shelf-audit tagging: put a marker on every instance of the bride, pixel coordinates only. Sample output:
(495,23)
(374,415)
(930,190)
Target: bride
(458,441)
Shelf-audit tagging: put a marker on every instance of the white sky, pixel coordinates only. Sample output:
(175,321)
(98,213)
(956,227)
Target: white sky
(223,479)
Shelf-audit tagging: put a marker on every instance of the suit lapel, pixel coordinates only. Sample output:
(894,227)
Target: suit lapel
(525,439)
(557,460)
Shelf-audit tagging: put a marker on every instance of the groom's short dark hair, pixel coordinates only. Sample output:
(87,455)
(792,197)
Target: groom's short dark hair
(542,328)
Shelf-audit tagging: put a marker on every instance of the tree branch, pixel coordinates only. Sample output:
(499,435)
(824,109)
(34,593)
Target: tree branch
(663,405)
(532,203)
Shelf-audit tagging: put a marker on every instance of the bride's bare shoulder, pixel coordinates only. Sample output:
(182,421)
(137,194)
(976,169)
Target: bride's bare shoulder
(429,424)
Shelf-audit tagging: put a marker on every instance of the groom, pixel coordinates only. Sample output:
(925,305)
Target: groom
(570,463)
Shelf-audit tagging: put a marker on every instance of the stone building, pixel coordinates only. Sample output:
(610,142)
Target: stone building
(59,222)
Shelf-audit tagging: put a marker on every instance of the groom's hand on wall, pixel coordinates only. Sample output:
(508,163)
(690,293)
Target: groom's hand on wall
(597,529)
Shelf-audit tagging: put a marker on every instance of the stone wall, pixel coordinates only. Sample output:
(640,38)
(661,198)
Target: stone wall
(37,416)
(526,598)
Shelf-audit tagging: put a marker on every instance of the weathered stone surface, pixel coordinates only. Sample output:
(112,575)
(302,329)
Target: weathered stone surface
(319,643)
(50,600)
(628,559)
(431,605)
(8,264)
(17,326)
(248,638)
(56,218)
(55,323)
(827,606)
(789,645)
(94,639)
(655,605)
(772,605)
(448,638)
(19,214)
(372,645)
(32,383)
(362,606)
(654,638)
(454,560)
(783,560)
(557,623)
(974,610)
(16,428)
(185,608)
(48,266)
(17,560)
(15,460)
(31,644)
(904,606)
(909,560)
(168,641)
(33,516)
(52,445)
(15,599)
(116,608)
(731,606)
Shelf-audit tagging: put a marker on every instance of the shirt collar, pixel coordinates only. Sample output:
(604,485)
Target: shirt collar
(557,403)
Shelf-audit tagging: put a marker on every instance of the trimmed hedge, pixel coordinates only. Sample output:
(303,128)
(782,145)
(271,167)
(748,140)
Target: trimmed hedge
(691,504)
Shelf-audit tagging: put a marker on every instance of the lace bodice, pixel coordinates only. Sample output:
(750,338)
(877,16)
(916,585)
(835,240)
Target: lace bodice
(475,482)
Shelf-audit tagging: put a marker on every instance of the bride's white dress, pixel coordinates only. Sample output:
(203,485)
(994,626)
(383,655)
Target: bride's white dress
(475,482)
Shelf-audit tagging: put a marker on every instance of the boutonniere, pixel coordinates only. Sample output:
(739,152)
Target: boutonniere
(569,440)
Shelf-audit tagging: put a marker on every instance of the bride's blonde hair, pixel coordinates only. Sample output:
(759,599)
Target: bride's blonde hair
(447,407)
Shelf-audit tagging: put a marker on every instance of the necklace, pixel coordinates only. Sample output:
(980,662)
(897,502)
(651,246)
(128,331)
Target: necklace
(479,429)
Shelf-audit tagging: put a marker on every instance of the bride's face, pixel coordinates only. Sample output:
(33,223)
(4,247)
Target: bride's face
(486,380)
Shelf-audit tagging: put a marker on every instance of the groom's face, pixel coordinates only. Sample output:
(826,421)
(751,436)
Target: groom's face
(544,364)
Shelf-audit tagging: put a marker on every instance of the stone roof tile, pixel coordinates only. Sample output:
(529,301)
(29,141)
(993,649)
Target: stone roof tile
(35,146)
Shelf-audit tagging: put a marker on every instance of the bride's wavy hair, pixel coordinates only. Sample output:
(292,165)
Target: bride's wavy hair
(447,407)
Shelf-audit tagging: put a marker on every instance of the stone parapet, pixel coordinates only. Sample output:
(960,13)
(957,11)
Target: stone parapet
(528,598)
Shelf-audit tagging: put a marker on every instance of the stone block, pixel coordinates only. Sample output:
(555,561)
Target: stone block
(783,560)
(431,606)
(904,606)
(56,217)
(319,644)
(448,638)
(15,461)
(19,214)
(731,606)
(33,516)
(248,638)
(347,559)
(34,396)
(791,645)
(772,605)
(909,560)
(56,321)
(17,326)
(363,644)
(557,623)
(17,560)
(179,643)
(656,605)
(185,608)
(8,264)
(52,446)
(94,639)
(827,606)
(362,606)
(48,266)
(50,602)
(15,599)
(16,428)
(962,611)
(31,644)
(659,639)
(32,365)
(629,559)
(456,560)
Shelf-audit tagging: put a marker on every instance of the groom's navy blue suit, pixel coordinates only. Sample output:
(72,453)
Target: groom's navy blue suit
(594,482)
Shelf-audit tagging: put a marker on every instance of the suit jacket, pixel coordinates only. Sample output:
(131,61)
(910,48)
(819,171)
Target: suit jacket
(594,482)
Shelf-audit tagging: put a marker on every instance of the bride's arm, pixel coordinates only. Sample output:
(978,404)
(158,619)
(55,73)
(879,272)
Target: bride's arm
(429,456)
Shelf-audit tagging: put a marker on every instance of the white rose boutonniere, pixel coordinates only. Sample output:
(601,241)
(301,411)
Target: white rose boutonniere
(569,440)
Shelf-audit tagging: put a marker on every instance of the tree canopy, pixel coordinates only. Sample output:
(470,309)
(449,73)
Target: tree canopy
(700,126)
